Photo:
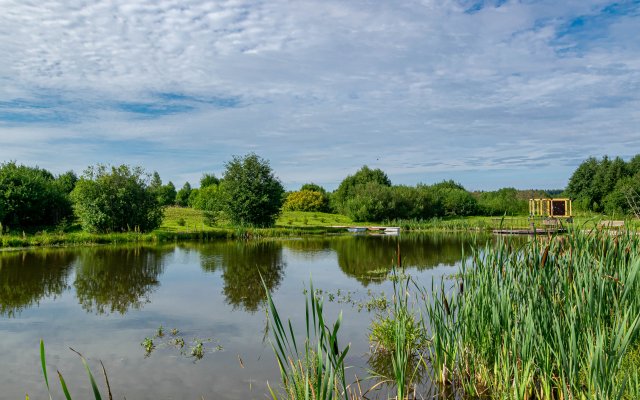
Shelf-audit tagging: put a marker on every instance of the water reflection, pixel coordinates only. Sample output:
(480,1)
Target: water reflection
(242,264)
(381,365)
(110,280)
(27,277)
(370,258)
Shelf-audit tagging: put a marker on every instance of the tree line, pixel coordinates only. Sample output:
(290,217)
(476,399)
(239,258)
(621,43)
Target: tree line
(606,185)
(124,198)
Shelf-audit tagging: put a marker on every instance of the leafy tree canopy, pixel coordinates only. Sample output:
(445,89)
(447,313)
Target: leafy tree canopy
(250,194)
(347,187)
(30,197)
(595,183)
(116,199)
(313,187)
(182,197)
(208,180)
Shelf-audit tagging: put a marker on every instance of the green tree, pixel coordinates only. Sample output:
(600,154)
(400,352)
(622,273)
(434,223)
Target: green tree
(249,192)
(454,199)
(500,202)
(208,180)
(30,197)
(182,197)
(166,194)
(594,181)
(402,203)
(209,200)
(369,202)
(347,187)
(626,192)
(67,181)
(634,165)
(313,187)
(194,198)
(156,181)
(116,199)
(579,187)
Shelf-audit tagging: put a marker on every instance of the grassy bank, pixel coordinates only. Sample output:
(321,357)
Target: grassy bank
(551,319)
(189,224)
(179,224)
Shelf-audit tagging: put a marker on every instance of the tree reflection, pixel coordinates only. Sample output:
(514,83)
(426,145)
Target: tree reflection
(242,264)
(27,277)
(112,280)
(370,258)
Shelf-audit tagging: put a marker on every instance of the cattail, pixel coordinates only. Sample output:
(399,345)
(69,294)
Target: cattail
(446,305)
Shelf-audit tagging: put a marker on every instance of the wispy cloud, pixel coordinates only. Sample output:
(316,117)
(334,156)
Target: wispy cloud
(491,93)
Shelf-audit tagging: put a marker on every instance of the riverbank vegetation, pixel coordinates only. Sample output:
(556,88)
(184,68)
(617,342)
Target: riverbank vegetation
(125,204)
(555,318)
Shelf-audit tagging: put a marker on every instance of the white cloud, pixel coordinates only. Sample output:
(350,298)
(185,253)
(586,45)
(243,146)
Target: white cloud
(419,89)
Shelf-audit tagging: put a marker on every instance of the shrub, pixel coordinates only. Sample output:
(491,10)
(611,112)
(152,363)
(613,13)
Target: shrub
(305,200)
(116,200)
(369,202)
(503,201)
(348,186)
(30,197)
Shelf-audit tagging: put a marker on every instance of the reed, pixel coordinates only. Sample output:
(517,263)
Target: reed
(316,370)
(63,384)
(551,319)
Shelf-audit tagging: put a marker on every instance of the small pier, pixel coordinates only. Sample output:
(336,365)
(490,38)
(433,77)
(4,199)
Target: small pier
(387,230)
(551,226)
(534,231)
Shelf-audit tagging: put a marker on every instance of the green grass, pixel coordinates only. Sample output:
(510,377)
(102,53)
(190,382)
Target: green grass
(193,220)
(170,230)
(303,218)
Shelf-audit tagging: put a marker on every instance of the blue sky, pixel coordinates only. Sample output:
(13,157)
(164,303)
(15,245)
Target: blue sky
(490,93)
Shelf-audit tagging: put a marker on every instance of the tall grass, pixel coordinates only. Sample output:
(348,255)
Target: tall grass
(63,383)
(316,370)
(552,319)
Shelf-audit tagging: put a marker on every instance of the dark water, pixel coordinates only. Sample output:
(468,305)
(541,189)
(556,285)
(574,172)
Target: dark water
(103,301)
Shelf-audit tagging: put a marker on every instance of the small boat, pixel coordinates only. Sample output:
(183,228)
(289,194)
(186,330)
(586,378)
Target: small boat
(357,229)
(391,231)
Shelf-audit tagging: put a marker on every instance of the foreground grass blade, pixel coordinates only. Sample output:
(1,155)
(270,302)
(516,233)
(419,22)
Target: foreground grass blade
(94,386)
(63,384)
(44,367)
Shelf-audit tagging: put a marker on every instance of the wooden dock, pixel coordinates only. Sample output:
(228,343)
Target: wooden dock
(534,231)
(387,230)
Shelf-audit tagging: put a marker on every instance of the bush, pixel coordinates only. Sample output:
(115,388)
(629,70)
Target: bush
(116,200)
(454,200)
(31,197)
(369,202)
(305,200)
(503,201)
(348,186)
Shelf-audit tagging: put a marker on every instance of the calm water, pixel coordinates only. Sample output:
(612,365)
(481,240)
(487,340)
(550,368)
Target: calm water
(103,301)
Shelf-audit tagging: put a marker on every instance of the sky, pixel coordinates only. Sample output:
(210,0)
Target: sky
(489,93)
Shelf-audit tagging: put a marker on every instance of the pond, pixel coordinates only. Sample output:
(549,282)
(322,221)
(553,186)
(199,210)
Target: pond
(104,301)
